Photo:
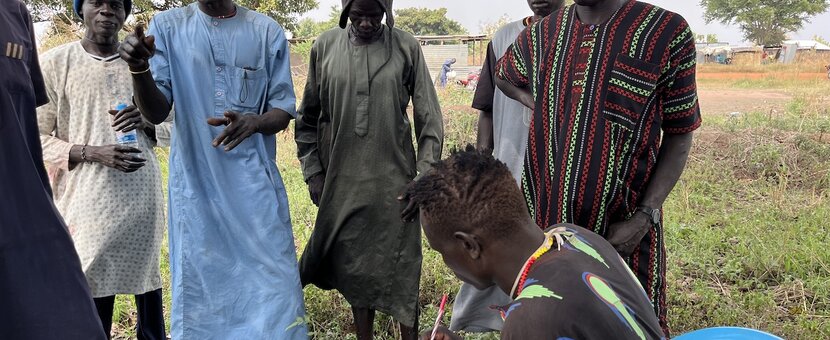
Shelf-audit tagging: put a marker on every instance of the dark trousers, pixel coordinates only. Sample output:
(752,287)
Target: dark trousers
(150,325)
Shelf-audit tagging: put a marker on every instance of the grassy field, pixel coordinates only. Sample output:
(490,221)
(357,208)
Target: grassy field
(747,225)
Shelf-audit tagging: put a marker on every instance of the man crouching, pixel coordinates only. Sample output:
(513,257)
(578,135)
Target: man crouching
(566,282)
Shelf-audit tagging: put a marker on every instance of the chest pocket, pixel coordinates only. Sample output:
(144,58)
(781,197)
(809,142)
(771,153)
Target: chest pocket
(248,87)
(630,88)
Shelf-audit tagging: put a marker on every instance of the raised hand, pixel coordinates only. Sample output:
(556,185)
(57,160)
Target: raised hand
(137,49)
(239,127)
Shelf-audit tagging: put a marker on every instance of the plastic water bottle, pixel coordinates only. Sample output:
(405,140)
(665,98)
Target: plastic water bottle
(125,138)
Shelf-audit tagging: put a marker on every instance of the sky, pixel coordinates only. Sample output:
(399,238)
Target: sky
(473,13)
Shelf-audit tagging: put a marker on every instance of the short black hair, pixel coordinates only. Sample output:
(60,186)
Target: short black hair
(470,191)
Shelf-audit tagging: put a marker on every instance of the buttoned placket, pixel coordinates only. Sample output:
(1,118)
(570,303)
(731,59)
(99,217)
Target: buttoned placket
(220,80)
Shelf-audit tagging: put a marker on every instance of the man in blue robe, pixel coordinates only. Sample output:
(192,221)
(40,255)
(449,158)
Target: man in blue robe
(232,257)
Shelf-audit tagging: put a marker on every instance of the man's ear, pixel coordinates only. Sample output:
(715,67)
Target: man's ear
(470,242)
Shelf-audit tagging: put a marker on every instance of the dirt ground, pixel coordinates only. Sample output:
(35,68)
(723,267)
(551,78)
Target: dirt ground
(719,100)
(725,101)
(741,75)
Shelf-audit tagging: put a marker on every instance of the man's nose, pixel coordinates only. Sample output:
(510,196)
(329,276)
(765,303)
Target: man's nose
(106,9)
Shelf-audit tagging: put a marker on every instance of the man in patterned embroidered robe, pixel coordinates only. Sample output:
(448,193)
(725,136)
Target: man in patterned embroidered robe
(612,84)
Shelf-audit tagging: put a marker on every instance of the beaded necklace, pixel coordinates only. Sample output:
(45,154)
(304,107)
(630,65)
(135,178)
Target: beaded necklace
(546,246)
(227,16)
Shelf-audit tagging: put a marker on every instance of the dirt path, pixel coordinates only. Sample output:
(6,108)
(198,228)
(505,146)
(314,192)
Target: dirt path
(724,101)
(716,101)
(720,100)
(755,76)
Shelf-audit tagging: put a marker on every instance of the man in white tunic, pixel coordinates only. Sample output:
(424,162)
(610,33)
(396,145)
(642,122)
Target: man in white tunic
(109,194)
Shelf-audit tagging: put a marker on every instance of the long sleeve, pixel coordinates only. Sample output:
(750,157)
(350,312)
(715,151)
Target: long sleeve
(160,63)
(280,86)
(55,150)
(429,124)
(305,127)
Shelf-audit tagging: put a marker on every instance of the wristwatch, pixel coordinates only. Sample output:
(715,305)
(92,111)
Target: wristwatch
(654,214)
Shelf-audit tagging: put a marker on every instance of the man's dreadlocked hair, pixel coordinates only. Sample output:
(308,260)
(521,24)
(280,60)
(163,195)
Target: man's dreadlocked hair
(470,191)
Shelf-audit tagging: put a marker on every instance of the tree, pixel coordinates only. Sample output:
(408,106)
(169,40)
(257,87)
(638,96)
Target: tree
(764,22)
(423,21)
(819,39)
(308,28)
(490,28)
(712,38)
(707,38)
(283,11)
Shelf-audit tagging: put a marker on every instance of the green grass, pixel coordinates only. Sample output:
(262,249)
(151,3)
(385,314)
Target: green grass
(747,226)
(746,235)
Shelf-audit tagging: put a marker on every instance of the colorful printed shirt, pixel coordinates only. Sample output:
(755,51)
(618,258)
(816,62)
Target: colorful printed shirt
(580,289)
(603,95)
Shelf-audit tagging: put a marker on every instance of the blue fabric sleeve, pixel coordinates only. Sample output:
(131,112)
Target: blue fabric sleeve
(280,86)
(160,63)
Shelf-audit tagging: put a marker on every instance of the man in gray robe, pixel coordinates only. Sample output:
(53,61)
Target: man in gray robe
(354,140)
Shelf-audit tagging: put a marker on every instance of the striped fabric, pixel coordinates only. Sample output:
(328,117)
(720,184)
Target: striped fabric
(14,51)
(603,94)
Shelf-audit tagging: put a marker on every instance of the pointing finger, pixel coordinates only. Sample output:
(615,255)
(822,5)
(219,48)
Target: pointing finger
(134,47)
(139,31)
